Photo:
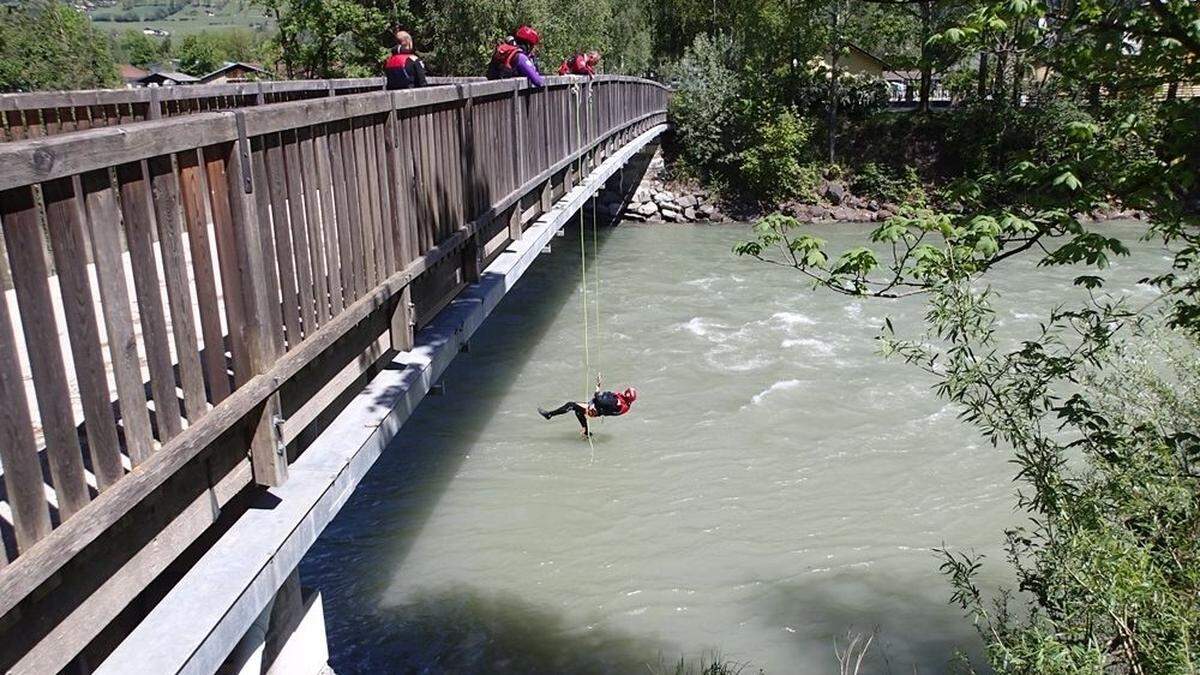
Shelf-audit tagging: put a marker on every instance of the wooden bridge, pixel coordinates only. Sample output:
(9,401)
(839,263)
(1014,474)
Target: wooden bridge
(200,286)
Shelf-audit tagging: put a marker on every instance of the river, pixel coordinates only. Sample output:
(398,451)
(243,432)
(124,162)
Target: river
(776,485)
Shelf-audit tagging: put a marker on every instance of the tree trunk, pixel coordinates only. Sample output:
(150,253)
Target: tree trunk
(834,48)
(926,64)
(1016,81)
(983,75)
(998,85)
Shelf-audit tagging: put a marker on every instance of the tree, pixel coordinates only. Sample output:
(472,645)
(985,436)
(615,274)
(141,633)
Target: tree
(138,49)
(200,54)
(1109,565)
(46,44)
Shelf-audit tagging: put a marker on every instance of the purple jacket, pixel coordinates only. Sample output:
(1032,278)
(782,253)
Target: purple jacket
(524,65)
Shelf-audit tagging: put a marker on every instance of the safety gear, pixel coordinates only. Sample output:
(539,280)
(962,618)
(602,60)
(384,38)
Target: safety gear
(527,35)
(631,394)
(503,63)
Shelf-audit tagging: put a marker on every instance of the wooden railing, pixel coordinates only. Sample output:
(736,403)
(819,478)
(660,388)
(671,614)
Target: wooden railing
(234,252)
(38,114)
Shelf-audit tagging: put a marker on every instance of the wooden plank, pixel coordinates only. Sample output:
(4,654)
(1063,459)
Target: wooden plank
(194,187)
(375,190)
(276,182)
(267,458)
(104,226)
(328,220)
(405,188)
(166,198)
(262,204)
(300,227)
(341,201)
(23,235)
(65,222)
(139,232)
(363,190)
(316,233)
(215,161)
(426,187)
(23,479)
(362,281)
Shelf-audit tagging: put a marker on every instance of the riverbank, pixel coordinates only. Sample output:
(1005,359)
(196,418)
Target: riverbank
(661,198)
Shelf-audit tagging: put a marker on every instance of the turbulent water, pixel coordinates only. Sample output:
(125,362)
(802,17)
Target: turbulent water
(776,485)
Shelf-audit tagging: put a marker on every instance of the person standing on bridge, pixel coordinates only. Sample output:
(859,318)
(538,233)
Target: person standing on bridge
(603,404)
(404,68)
(514,58)
(580,64)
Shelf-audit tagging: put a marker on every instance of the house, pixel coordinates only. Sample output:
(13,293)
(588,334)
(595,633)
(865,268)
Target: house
(167,78)
(861,62)
(236,71)
(131,75)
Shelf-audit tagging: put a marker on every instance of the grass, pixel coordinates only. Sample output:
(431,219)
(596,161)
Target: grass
(712,664)
(192,18)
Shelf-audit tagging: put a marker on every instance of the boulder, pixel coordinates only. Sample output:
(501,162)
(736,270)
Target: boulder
(690,214)
(873,205)
(671,215)
(664,197)
(834,191)
(688,200)
(647,208)
(708,210)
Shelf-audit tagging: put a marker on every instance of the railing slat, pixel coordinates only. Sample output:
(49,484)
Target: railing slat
(65,222)
(215,167)
(193,184)
(275,182)
(165,188)
(135,205)
(27,263)
(328,220)
(299,229)
(313,218)
(23,480)
(337,166)
(262,204)
(105,229)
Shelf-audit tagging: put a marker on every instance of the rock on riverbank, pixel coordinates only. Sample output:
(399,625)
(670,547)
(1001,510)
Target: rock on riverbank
(656,199)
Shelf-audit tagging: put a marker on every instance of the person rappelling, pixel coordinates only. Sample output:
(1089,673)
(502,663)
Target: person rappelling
(603,404)
(580,64)
(514,57)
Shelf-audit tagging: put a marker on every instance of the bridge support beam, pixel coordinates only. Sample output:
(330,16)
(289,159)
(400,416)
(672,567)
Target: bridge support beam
(401,328)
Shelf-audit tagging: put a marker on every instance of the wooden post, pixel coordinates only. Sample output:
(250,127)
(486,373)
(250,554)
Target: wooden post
(518,136)
(268,457)
(514,222)
(402,321)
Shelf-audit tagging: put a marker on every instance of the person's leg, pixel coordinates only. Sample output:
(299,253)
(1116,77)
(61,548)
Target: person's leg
(581,415)
(564,408)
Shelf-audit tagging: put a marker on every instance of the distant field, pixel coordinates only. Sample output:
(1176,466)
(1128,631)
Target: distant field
(192,17)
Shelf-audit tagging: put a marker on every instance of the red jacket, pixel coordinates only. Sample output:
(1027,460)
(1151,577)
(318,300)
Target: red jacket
(576,65)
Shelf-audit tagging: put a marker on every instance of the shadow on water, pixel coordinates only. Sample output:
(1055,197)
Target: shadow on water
(469,630)
(907,637)
(386,514)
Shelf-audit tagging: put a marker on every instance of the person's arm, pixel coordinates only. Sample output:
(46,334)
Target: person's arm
(418,72)
(525,67)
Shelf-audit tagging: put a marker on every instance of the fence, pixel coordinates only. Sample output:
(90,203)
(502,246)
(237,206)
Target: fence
(234,252)
(38,114)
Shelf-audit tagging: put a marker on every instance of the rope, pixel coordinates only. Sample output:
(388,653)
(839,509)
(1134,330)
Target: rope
(587,358)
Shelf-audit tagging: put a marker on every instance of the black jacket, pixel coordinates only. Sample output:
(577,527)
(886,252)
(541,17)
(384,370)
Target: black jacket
(404,70)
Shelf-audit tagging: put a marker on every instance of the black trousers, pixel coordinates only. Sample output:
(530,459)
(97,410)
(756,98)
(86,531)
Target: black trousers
(571,406)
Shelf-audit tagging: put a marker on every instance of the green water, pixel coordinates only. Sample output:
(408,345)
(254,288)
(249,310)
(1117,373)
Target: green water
(776,485)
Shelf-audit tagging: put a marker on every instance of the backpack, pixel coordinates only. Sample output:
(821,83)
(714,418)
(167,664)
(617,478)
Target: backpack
(502,61)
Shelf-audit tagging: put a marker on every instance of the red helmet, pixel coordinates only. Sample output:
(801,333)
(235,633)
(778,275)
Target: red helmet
(527,35)
(631,394)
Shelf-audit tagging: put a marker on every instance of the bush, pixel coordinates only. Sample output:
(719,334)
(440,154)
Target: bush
(771,167)
(885,184)
(704,105)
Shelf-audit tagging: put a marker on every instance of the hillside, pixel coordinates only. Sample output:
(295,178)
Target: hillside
(176,17)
